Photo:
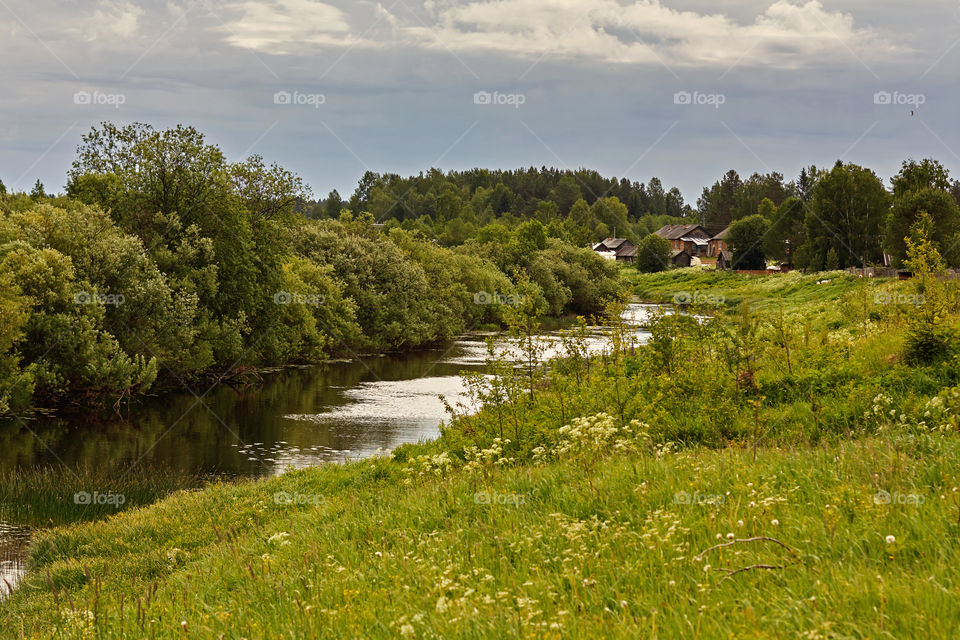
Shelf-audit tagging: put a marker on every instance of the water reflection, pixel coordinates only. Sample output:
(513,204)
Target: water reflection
(13,544)
(332,412)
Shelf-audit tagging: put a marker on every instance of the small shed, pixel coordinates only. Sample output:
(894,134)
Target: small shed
(725,260)
(680,258)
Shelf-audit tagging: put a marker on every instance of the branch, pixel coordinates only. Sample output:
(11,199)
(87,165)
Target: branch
(738,540)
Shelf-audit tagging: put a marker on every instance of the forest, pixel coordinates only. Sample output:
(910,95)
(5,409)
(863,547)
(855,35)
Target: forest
(822,220)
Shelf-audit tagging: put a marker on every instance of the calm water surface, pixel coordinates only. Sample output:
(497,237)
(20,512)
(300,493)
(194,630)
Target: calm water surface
(296,418)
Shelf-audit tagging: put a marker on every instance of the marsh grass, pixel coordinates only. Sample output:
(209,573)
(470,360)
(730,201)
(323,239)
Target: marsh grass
(52,496)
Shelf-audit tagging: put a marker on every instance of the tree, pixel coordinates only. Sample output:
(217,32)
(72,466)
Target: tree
(915,176)
(332,205)
(939,205)
(653,254)
(716,204)
(787,233)
(807,181)
(847,214)
(746,239)
(613,214)
(832,260)
(37,192)
(755,190)
(928,337)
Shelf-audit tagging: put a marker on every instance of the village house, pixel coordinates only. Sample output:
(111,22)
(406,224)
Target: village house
(691,238)
(718,244)
(619,249)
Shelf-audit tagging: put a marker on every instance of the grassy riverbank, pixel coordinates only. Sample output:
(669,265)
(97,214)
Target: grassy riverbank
(574,549)
(584,499)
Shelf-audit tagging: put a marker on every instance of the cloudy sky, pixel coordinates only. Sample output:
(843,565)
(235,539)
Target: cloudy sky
(680,89)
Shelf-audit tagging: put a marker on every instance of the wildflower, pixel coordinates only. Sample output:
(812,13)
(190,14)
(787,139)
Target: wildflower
(739,523)
(407,631)
(775,522)
(891,539)
(730,536)
(279,538)
(719,536)
(379,554)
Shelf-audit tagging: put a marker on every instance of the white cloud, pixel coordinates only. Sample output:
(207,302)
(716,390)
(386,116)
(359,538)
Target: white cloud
(113,19)
(785,34)
(288,26)
(639,32)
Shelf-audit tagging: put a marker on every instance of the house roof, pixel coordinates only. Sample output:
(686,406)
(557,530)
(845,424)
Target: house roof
(627,251)
(676,231)
(674,254)
(615,243)
(612,244)
(700,242)
(721,235)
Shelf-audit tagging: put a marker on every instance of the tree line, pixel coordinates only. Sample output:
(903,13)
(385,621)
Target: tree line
(834,218)
(164,262)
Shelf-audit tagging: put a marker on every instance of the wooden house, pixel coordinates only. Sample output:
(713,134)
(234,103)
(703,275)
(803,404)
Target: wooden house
(691,238)
(619,249)
(718,244)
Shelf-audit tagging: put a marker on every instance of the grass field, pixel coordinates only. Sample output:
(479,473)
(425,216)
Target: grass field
(831,483)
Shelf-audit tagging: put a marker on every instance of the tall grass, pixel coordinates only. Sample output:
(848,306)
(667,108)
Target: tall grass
(51,496)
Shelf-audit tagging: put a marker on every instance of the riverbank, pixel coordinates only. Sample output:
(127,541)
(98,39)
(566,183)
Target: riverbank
(579,548)
(583,501)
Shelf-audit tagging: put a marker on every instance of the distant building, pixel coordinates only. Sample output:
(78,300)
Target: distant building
(725,260)
(619,249)
(691,238)
(718,244)
(681,258)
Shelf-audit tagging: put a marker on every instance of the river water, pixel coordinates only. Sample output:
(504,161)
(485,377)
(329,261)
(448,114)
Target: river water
(299,417)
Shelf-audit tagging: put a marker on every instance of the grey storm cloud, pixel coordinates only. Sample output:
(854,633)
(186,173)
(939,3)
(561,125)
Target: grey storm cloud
(683,90)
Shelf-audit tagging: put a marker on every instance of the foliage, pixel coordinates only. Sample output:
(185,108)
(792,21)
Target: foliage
(847,214)
(746,238)
(653,254)
(930,336)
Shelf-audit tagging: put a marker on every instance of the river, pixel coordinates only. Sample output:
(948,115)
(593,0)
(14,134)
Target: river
(297,417)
